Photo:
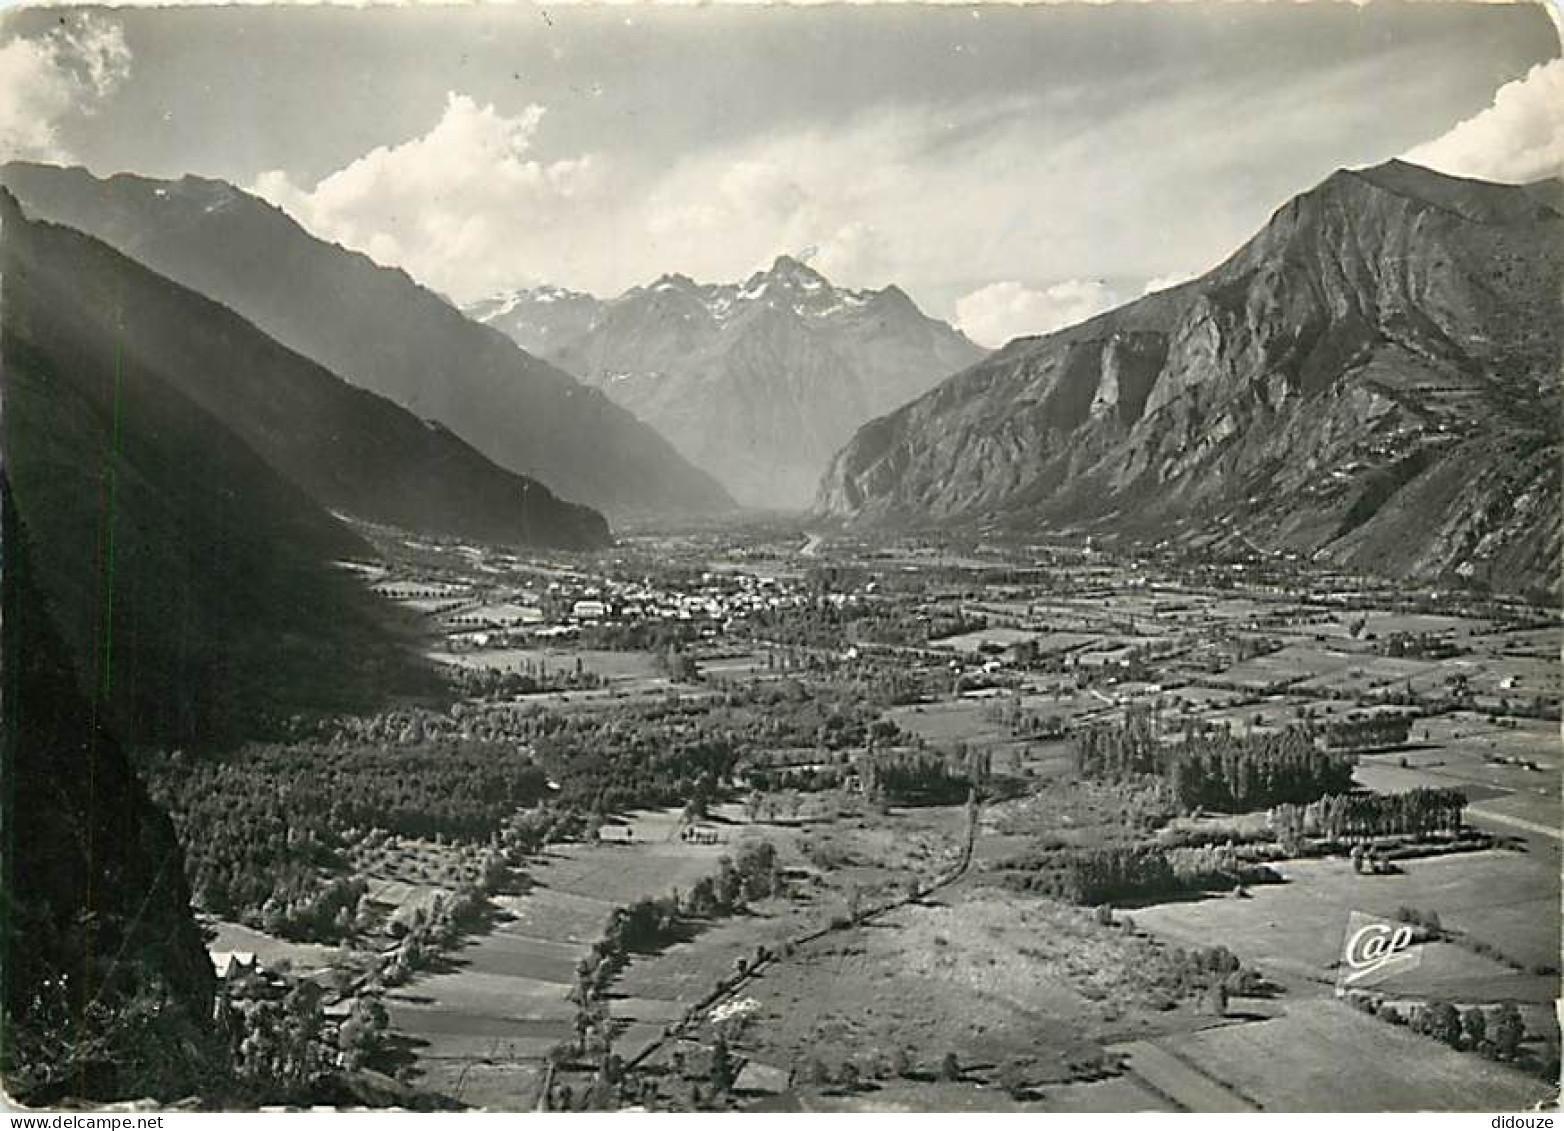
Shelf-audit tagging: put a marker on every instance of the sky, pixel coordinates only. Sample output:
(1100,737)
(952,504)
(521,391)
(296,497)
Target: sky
(1012,168)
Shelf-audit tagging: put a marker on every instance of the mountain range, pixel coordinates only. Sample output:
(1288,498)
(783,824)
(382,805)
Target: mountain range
(189,580)
(758,382)
(376,328)
(1372,380)
(350,450)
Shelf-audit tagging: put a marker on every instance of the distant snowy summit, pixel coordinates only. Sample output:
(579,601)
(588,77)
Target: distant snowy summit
(758,382)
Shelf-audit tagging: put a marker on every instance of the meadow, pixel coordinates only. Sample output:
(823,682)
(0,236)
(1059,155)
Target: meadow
(1323,1056)
(481,1022)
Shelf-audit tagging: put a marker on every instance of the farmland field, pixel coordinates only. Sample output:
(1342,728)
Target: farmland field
(991,979)
(1511,773)
(1296,929)
(1337,1059)
(480,1025)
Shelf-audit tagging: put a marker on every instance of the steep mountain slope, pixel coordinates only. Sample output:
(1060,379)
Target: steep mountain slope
(379,330)
(95,904)
(188,581)
(1373,378)
(758,382)
(351,450)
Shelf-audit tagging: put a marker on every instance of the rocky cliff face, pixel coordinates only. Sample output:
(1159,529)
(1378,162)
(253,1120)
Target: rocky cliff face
(758,382)
(1374,378)
(378,329)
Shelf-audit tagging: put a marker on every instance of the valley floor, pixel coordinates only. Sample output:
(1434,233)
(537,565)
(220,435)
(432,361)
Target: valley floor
(898,968)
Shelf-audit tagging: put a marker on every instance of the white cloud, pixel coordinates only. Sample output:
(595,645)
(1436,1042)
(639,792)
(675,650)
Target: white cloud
(44,79)
(938,196)
(717,213)
(856,252)
(993,315)
(1518,138)
(1166,282)
(465,207)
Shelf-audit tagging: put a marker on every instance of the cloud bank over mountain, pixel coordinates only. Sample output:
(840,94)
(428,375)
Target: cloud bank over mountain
(484,148)
(444,204)
(1519,138)
(995,314)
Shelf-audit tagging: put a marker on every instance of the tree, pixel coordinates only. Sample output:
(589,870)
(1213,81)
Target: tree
(1509,1031)
(1474,1023)
(950,1067)
(1444,1024)
(721,1067)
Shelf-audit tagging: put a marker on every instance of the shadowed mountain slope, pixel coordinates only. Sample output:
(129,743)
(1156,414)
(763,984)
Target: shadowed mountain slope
(351,450)
(378,329)
(190,583)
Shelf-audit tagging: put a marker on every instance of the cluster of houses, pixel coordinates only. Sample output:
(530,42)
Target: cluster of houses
(562,606)
(241,974)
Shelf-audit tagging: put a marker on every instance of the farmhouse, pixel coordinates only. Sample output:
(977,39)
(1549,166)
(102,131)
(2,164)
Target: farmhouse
(231,964)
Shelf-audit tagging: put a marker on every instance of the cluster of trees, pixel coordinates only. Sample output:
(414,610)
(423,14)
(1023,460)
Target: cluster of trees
(1368,732)
(1417,645)
(1238,775)
(753,874)
(804,779)
(830,624)
(278,1037)
(281,1045)
(1498,1033)
(323,913)
(915,778)
(1161,977)
(678,664)
(1015,718)
(851,1072)
(655,636)
(1340,816)
(266,826)
(359,1036)
(1128,872)
(528,678)
(425,931)
(655,754)
(1216,771)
